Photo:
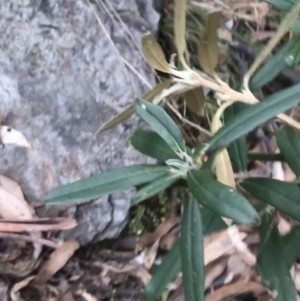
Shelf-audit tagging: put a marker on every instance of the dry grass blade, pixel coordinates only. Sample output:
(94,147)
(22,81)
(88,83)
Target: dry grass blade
(180,28)
(208,47)
(57,260)
(37,225)
(154,54)
(126,113)
(195,100)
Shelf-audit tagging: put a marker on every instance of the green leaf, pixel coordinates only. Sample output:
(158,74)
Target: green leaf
(293,56)
(211,222)
(208,47)
(271,263)
(180,27)
(155,187)
(191,250)
(220,198)
(252,116)
(282,195)
(151,144)
(288,142)
(195,100)
(108,182)
(292,246)
(265,157)
(272,67)
(164,274)
(282,4)
(238,149)
(161,123)
(127,112)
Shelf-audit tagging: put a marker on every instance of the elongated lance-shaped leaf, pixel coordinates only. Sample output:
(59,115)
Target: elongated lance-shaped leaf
(191,250)
(108,182)
(208,47)
(292,246)
(155,187)
(127,112)
(282,4)
(293,56)
(282,195)
(151,144)
(171,264)
(180,27)
(271,263)
(288,141)
(195,100)
(211,221)
(164,274)
(224,170)
(272,67)
(265,157)
(161,123)
(237,150)
(220,198)
(252,116)
(154,54)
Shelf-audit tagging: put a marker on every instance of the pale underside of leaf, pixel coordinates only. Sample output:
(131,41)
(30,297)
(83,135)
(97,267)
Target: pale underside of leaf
(195,100)
(180,27)
(208,47)
(154,54)
(224,170)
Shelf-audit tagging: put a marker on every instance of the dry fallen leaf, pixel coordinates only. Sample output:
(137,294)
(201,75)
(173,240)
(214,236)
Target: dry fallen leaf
(57,260)
(236,266)
(289,175)
(212,271)
(168,240)
(12,207)
(226,242)
(151,255)
(12,187)
(149,238)
(86,296)
(15,291)
(12,136)
(234,289)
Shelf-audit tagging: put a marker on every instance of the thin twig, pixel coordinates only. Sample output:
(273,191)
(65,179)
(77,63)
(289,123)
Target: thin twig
(196,126)
(41,241)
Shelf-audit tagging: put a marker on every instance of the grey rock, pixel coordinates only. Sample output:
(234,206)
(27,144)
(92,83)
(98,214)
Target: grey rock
(66,67)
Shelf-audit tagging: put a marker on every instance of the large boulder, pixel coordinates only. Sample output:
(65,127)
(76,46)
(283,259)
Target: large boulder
(66,67)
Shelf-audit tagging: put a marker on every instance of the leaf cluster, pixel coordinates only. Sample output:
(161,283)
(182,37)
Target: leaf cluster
(212,193)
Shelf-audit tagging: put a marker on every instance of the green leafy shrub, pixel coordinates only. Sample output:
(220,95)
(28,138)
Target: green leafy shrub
(211,192)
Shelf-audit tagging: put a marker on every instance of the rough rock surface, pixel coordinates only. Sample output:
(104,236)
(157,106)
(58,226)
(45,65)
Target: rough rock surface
(63,72)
